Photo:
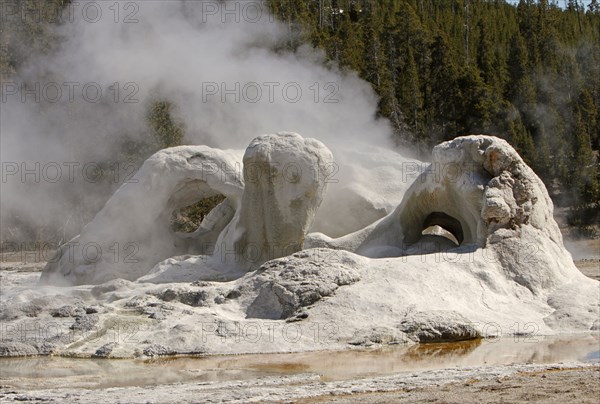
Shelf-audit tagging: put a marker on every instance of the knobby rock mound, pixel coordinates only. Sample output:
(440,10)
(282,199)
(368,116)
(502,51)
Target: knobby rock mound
(472,250)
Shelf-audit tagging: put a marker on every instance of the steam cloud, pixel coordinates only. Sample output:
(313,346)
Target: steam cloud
(215,61)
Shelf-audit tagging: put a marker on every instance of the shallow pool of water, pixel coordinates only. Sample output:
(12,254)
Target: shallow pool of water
(48,372)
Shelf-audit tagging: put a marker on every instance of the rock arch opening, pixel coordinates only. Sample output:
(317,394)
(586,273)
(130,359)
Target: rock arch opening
(187,219)
(195,209)
(440,224)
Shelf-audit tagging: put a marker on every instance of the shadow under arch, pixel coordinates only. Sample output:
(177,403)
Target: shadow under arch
(446,224)
(214,208)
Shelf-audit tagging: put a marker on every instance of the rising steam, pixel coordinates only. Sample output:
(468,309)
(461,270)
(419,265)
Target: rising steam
(215,62)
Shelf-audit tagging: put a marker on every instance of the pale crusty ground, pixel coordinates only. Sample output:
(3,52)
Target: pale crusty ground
(559,383)
(547,386)
(589,267)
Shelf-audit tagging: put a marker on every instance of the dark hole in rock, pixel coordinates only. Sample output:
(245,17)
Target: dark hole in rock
(442,225)
(188,218)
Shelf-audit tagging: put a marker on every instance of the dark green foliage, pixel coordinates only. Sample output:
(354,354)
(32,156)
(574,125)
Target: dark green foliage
(187,219)
(529,73)
(584,217)
(25,27)
(167,131)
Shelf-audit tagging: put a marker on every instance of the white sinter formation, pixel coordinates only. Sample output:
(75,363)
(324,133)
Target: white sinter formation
(472,250)
(265,219)
(133,230)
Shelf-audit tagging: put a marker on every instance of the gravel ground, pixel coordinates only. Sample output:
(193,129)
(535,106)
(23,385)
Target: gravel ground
(544,386)
(561,383)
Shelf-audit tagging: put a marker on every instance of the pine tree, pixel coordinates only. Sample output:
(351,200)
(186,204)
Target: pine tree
(589,117)
(443,92)
(521,139)
(166,130)
(485,55)
(585,169)
(518,67)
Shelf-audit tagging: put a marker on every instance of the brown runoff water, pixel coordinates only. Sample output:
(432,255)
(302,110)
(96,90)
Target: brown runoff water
(49,372)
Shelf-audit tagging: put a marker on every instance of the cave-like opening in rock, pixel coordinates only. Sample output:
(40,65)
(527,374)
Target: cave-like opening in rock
(442,225)
(187,219)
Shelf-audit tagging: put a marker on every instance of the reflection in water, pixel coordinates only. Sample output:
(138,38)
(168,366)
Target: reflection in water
(442,350)
(44,372)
